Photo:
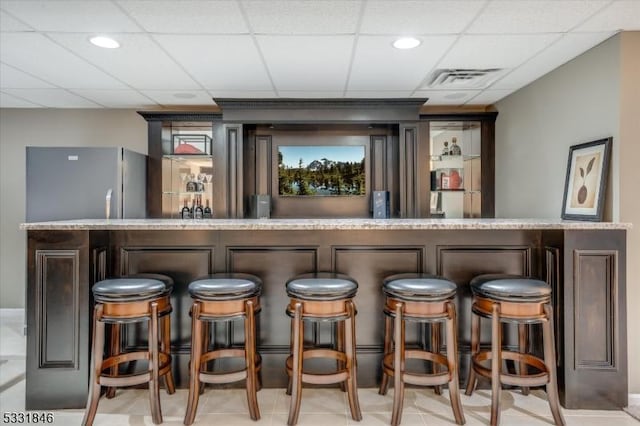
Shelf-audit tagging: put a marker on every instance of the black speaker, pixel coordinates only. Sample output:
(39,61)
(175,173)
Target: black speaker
(381,209)
(260,206)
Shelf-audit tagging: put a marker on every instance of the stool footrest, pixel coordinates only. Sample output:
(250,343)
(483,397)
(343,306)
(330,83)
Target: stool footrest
(321,378)
(107,379)
(423,379)
(225,376)
(533,379)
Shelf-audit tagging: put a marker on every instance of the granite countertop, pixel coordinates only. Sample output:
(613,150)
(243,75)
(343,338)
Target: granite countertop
(316,224)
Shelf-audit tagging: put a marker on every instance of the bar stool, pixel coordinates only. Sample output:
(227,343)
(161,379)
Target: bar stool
(518,300)
(322,296)
(223,297)
(121,301)
(115,340)
(427,299)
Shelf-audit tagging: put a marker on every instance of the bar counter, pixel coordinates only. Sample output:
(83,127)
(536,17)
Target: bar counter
(584,262)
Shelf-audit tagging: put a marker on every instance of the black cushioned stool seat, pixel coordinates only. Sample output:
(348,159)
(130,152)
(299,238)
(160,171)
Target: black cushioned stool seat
(427,299)
(223,286)
(128,289)
(118,301)
(418,287)
(223,297)
(327,297)
(510,288)
(322,286)
(504,298)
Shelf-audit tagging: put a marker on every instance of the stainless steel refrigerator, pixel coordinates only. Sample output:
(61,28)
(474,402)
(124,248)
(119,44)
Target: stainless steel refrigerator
(85,183)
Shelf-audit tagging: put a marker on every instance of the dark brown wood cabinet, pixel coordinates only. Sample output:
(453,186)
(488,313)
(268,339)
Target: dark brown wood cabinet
(248,133)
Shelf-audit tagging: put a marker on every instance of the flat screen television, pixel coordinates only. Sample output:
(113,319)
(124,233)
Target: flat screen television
(325,170)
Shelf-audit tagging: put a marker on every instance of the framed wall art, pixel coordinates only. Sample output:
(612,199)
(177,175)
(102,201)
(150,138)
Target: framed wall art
(586,180)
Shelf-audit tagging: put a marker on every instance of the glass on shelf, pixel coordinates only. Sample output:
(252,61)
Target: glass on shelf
(455,148)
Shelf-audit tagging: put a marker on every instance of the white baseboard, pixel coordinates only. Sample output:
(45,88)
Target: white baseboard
(634,399)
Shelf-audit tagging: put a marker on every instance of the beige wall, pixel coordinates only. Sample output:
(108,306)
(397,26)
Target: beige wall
(42,127)
(630,190)
(591,97)
(578,102)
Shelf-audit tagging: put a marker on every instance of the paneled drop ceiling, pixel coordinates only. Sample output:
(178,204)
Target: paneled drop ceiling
(184,53)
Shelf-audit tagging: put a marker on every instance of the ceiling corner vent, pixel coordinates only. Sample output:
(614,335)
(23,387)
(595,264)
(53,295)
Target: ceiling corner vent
(459,78)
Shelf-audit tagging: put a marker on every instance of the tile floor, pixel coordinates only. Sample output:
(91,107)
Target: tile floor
(319,406)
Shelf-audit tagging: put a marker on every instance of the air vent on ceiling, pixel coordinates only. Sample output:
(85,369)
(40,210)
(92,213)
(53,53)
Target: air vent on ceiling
(458,78)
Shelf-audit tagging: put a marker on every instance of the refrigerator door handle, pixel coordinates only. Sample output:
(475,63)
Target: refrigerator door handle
(108,203)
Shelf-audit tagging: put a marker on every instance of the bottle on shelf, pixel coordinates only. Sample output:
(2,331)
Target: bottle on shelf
(455,148)
(445,150)
(207,214)
(198,212)
(185,213)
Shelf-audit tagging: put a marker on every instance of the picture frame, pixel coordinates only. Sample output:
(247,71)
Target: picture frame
(586,180)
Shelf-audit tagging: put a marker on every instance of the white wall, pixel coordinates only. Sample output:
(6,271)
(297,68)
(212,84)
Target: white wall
(591,97)
(43,127)
(578,102)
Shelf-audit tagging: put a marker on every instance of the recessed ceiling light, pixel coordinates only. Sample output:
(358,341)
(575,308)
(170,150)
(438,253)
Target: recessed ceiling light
(106,42)
(184,95)
(406,43)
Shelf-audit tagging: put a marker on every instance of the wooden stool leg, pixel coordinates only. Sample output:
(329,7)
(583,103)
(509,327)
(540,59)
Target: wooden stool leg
(350,343)
(523,339)
(291,341)
(96,367)
(194,367)
(550,361)
(296,373)
(154,386)
(435,348)
(398,365)
(206,328)
(250,357)
(165,346)
(475,348)
(257,337)
(384,384)
(452,360)
(496,363)
(114,349)
(340,343)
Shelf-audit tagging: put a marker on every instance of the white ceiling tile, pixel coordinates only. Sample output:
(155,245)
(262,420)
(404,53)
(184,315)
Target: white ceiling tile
(377,65)
(179,97)
(139,62)
(533,16)
(52,98)
(437,97)
(418,17)
(309,94)
(304,62)
(489,97)
(9,24)
(565,49)
(619,15)
(9,101)
(190,17)
(378,93)
(495,51)
(247,94)
(11,78)
(116,98)
(71,15)
(303,17)
(45,59)
(219,62)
